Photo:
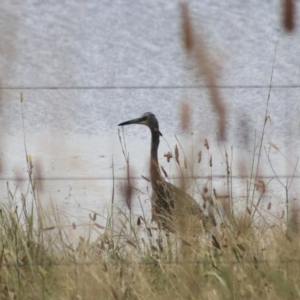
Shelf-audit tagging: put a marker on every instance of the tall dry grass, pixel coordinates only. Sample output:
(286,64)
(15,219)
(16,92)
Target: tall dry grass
(245,256)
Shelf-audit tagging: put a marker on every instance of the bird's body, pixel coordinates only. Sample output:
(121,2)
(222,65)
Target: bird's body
(170,204)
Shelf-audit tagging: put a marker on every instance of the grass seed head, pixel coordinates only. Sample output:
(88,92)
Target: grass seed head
(164,171)
(185,115)
(260,186)
(177,155)
(127,191)
(168,156)
(288,17)
(93,218)
(206,145)
(185,164)
(188,37)
(199,157)
(215,193)
(146,178)
(273,145)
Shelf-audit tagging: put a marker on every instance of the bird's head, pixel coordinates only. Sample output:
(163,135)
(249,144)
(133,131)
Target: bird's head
(147,119)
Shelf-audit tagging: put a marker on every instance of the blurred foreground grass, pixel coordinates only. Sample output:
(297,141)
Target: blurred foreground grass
(238,259)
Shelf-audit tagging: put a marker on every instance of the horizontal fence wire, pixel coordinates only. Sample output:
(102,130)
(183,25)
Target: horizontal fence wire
(145,87)
(74,178)
(161,263)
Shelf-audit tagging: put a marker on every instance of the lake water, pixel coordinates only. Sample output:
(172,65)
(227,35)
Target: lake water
(85,67)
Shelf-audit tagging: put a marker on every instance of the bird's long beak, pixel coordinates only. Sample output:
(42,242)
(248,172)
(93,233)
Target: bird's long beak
(134,121)
(141,120)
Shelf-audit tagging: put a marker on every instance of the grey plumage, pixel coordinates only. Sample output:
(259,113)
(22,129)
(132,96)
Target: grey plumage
(171,206)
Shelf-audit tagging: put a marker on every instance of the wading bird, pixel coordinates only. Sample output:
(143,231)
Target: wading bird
(171,206)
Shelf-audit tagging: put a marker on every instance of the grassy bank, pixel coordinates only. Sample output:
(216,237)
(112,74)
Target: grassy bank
(238,259)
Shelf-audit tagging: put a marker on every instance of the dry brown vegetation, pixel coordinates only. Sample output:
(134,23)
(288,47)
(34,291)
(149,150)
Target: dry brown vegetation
(237,259)
(245,256)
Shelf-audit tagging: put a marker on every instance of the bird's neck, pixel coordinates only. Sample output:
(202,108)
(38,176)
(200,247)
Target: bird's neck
(154,167)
